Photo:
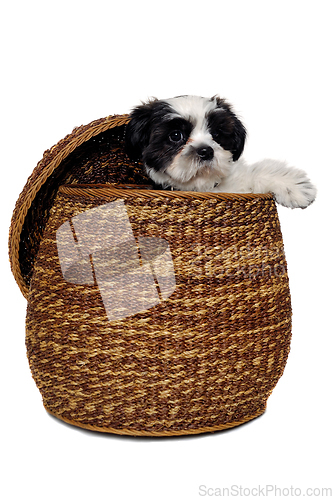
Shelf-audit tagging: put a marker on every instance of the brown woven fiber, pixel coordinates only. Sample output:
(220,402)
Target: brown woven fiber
(149,312)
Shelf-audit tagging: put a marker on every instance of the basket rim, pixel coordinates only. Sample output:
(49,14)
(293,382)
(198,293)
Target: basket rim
(113,189)
(51,160)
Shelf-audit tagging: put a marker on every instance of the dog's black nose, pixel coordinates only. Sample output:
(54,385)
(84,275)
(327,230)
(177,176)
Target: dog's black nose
(205,152)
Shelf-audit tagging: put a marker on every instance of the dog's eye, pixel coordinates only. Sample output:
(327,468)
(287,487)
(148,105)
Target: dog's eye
(176,136)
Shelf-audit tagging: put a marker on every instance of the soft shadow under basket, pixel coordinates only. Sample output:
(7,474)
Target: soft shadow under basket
(149,312)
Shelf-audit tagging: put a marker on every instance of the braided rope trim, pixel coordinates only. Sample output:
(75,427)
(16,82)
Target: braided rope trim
(185,432)
(106,191)
(44,169)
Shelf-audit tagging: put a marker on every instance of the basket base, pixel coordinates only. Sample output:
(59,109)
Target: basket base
(183,432)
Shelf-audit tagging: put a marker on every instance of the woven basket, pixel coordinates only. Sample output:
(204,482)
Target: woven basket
(149,312)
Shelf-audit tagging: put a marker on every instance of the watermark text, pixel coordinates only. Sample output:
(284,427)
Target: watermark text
(267,490)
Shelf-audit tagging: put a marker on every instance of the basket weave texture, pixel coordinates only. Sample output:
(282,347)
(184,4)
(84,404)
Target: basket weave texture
(202,352)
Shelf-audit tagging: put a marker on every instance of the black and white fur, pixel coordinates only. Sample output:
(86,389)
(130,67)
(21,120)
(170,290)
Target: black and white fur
(192,143)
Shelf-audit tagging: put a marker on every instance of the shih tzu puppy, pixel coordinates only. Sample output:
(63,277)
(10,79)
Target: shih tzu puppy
(192,143)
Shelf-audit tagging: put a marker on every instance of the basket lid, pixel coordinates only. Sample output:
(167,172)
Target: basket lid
(92,153)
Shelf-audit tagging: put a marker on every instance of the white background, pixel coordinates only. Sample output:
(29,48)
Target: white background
(67,63)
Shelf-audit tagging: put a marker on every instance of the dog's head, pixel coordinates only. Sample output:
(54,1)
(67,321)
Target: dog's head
(186,142)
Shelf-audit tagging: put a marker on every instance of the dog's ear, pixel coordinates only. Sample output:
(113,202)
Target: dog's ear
(138,129)
(238,139)
(237,130)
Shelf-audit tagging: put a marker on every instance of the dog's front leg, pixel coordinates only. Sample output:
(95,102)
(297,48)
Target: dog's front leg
(290,186)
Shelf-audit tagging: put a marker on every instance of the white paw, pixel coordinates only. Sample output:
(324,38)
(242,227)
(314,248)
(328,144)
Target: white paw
(294,189)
